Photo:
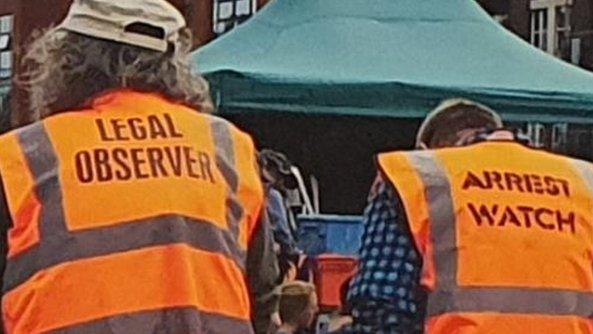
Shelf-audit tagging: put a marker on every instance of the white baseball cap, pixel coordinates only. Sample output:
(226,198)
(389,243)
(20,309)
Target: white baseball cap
(151,24)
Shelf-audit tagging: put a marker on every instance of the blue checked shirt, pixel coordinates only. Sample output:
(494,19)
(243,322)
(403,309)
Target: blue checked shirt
(385,296)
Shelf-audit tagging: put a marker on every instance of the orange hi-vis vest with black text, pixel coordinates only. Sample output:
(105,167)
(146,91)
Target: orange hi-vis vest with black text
(506,237)
(132,216)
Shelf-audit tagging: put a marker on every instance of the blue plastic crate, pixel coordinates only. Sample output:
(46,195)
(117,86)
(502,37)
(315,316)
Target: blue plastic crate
(330,234)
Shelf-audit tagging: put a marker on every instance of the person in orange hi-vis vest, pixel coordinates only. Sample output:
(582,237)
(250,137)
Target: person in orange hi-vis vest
(128,208)
(501,234)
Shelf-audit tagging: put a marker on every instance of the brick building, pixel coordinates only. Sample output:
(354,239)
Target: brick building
(563,28)
(20,18)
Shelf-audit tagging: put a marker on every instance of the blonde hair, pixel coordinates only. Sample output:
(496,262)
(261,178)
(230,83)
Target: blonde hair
(295,297)
(63,70)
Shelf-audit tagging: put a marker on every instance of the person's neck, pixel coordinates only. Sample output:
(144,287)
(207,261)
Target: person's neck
(289,328)
(501,135)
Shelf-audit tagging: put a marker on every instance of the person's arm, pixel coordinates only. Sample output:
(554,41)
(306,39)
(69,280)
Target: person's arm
(263,275)
(385,294)
(288,254)
(5,224)
(279,222)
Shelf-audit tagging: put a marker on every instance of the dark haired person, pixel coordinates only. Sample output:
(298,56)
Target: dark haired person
(278,180)
(474,232)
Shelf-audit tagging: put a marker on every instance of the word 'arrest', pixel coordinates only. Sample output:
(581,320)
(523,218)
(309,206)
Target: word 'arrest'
(523,183)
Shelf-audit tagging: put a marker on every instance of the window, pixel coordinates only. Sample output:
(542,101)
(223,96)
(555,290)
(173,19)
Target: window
(562,45)
(6,46)
(559,137)
(4,110)
(536,133)
(230,13)
(575,51)
(539,29)
(550,26)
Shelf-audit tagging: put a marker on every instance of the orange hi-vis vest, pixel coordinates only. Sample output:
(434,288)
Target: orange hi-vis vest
(506,237)
(132,216)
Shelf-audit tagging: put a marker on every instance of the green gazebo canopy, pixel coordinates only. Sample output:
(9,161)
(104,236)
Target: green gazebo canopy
(394,58)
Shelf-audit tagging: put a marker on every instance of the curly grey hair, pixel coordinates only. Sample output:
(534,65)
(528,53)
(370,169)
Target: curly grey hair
(64,70)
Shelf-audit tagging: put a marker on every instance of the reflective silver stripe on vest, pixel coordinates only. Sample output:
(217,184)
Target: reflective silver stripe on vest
(43,163)
(442,216)
(58,245)
(225,162)
(175,320)
(585,170)
(511,300)
(156,231)
(448,296)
